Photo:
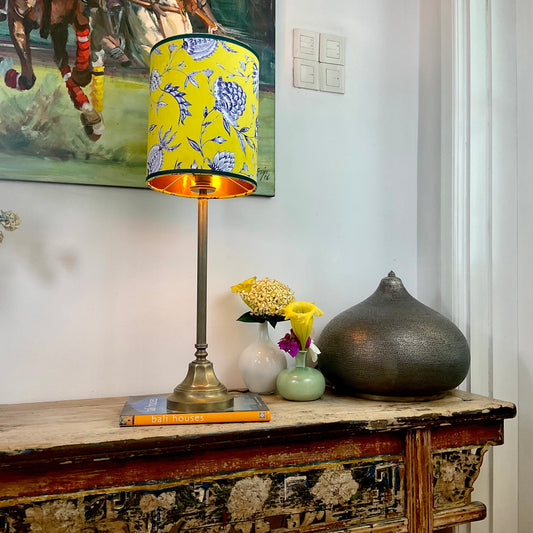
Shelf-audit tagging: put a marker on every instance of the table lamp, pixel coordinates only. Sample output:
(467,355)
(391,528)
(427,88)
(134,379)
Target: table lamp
(202,143)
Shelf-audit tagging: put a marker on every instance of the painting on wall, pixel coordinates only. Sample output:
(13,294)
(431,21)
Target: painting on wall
(75,91)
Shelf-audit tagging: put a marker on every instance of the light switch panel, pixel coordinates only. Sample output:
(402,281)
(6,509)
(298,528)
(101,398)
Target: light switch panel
(306,44)
(332,78)
(305,74)
(332,49)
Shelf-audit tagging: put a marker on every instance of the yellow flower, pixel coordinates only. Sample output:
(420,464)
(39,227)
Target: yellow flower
(244,286)
(301,316)
(265,297)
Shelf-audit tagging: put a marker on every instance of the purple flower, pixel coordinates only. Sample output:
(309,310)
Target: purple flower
(223,161)
(230,100)
(199,47)
(290,344)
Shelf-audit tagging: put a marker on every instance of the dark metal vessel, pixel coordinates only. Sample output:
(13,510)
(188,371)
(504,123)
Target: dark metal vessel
(391,346)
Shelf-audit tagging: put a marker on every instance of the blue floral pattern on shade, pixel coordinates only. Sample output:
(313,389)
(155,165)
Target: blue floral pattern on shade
(155,80)
(180,98)
(156,153)
(230,100)
(223,162)
(255,78)
(227,47)
(200,48)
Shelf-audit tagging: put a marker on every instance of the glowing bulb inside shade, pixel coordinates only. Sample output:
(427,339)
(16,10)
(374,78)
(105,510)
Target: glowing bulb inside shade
(202,182)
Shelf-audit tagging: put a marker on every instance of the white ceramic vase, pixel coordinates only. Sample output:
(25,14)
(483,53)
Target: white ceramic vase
(261,362)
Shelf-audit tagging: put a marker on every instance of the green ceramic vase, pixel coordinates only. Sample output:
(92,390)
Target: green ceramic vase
(301,383)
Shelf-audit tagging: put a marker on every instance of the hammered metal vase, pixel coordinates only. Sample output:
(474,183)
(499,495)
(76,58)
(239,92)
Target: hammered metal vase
(392,347)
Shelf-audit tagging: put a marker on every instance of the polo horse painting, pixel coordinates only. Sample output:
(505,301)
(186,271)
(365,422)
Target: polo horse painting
(146,24)
(53,17)
(126,30)
(69,66)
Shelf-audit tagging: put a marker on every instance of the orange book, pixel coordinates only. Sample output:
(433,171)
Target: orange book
(152,411)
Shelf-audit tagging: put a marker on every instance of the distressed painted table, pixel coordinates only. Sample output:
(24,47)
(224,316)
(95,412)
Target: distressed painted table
(337,464)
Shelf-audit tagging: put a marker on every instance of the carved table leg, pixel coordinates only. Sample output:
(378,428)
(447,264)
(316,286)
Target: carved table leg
(419,481)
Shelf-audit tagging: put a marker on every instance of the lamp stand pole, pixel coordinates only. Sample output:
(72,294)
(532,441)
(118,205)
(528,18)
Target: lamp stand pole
(200,391)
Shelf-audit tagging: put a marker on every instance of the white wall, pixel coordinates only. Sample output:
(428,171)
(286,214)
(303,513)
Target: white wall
(524,18)
(429,156)
(98,284)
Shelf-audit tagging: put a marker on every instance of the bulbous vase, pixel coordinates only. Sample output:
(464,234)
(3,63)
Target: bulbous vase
(301,383)
(392,347)
(261,362)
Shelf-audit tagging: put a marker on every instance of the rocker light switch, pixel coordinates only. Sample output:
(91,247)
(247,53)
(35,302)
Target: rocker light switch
(305,44)
(331,49)
(318,61)
(331,78)
(305,74)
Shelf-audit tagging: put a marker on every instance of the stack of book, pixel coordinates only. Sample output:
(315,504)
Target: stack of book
(152,411)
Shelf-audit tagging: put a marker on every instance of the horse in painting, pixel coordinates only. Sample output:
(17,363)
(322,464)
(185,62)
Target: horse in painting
(53,17)
(124,31)
(147,22)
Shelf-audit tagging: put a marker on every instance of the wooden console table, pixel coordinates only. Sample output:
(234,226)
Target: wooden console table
(337,464)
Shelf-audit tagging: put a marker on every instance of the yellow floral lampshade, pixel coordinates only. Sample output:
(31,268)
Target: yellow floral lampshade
(202,120)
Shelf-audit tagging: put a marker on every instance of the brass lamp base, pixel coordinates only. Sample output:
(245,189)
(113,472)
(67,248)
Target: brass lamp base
(200,391)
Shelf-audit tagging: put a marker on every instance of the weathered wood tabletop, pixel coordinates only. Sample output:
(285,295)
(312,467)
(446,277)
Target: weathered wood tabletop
(37,427)
(335,464)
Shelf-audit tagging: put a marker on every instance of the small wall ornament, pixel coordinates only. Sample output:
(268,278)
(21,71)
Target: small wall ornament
(9,220)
